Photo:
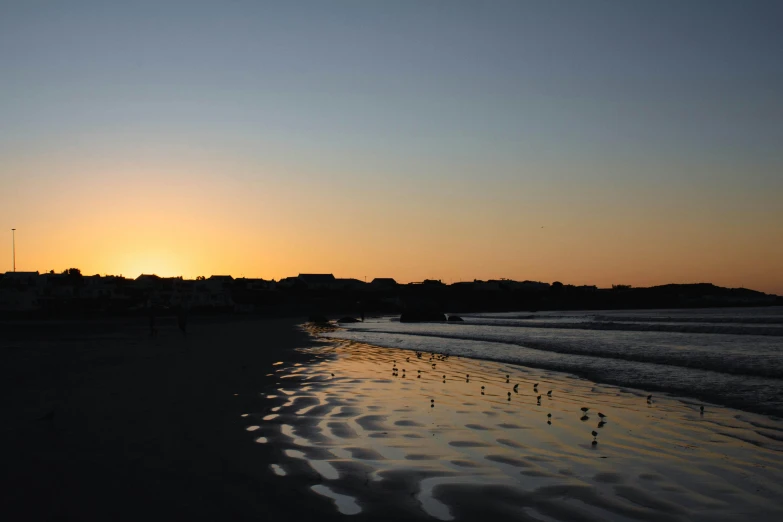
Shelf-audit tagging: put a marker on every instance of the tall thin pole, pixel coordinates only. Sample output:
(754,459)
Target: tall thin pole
(13,245)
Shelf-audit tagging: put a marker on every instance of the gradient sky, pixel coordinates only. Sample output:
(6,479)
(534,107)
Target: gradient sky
(396,139)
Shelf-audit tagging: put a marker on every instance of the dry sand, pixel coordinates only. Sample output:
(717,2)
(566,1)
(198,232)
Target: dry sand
(383,440)
(102,422)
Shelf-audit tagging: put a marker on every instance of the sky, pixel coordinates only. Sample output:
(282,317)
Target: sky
(602,142)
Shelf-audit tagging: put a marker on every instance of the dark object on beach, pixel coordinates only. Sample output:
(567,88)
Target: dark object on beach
(318,319)
(516,388)
(422,316)
(348,320)
(649,399)
(595,442)
(601,424)
(549,393)
(455,319)
(601,415)
(584,409)
(701,409)
(584,418)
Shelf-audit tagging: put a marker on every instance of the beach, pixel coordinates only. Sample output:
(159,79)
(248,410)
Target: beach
(103,422)
(264,419)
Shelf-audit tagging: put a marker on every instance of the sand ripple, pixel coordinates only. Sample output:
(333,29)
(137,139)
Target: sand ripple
(377,443)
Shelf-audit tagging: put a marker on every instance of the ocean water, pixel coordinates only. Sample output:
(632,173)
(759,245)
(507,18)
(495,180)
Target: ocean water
(732,357)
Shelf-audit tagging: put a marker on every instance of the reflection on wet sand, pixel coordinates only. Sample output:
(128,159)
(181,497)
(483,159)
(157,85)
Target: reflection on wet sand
(462,447)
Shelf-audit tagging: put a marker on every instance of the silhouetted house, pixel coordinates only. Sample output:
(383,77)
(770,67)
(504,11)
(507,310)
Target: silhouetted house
(487,286)
(349,284)
(19,291)
(433,282)
(147,281)
(383,283)
(318,281)
(533,285)
(291,282)
(20,279)
(214,292)
(247,283)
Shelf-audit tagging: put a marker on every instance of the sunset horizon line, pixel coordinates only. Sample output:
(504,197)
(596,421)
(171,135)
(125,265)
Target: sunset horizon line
(401,282)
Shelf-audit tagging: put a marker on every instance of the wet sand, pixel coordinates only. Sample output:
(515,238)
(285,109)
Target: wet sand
(386,435)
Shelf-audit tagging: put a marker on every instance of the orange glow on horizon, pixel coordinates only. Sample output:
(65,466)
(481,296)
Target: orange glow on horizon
(196,224)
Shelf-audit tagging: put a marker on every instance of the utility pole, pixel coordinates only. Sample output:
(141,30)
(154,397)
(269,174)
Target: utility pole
(13,246)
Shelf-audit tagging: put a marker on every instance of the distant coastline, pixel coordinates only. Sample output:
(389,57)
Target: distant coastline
(71,294)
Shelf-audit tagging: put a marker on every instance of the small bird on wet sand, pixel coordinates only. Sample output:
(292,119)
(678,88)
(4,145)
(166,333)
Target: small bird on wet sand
(507,379)
(332,375)
(584,409)
(649,399)
(549,415)
(601,415)
(549,393)
(535,387)
(701,409)
(595,434)
(516,388)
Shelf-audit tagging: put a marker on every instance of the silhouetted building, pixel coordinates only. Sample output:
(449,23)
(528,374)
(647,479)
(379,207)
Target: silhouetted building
(349,284)
(318,281)
(383,283)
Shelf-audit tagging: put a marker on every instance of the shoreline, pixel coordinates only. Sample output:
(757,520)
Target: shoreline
(369,438)
(589,369)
